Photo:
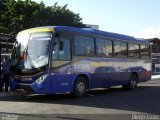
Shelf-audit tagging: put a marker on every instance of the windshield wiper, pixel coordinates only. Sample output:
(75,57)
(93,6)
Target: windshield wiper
(29,58)
(40,58)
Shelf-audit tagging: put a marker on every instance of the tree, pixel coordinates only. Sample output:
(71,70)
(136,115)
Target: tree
(16,15)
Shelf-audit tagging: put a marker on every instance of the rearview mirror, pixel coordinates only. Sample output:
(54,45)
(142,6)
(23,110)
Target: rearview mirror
(61,45)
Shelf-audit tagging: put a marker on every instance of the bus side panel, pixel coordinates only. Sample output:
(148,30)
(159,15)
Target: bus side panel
(99,74)
(102,72)
(123,68)
(121,72)
(60,83)
(145,71)
(99,70)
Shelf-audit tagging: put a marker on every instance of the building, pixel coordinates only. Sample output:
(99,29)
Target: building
(7,42)
(155,42)
(93,26)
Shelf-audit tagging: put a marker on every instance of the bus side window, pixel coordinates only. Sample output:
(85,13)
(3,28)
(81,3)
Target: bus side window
(100,47)
(84,46)
(145,51)
(133,50)
(137,51)
(120,49)
(89,46)
(108,48)
(79,45)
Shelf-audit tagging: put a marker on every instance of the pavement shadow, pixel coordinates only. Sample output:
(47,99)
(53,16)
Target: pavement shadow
(143,99)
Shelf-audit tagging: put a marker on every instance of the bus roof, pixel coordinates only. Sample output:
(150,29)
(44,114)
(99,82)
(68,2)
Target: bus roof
(91,31)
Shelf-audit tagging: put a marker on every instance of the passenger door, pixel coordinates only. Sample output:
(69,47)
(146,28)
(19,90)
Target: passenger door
(61,61)
(61,53)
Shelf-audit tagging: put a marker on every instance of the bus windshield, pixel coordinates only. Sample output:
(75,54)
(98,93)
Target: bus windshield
(31,50)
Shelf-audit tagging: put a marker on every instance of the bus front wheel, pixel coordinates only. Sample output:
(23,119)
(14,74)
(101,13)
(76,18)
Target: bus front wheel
(132,82)
(80,87)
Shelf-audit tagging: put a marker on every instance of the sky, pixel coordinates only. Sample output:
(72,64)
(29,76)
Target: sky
(138,18)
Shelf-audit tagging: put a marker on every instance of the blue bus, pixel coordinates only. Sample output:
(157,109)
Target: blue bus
(60,59)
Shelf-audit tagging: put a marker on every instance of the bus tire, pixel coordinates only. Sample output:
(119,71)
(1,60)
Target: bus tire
(79,87)
(132,82)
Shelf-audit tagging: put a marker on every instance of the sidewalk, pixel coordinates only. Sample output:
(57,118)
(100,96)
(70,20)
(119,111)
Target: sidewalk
(156,77)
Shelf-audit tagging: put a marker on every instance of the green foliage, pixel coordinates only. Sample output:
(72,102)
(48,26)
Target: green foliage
(16,15)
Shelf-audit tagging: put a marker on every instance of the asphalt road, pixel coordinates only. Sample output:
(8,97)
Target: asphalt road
(98,104)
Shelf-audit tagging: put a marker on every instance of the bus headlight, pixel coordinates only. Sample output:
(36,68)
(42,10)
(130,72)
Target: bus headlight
(41,79)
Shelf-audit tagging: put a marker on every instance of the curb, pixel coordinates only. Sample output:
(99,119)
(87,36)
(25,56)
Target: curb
(5,94)
(2,94)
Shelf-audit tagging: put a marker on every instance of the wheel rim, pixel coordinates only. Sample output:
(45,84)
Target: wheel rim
(80,87)
(133,82)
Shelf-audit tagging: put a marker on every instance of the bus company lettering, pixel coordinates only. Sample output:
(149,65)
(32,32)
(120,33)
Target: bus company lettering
(82,67)
(100,64)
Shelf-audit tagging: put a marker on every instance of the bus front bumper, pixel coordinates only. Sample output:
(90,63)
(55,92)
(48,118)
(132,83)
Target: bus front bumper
(29,88)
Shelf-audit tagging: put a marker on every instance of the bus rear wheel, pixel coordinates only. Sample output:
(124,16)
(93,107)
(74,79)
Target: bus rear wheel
(80,87)
(132,82)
